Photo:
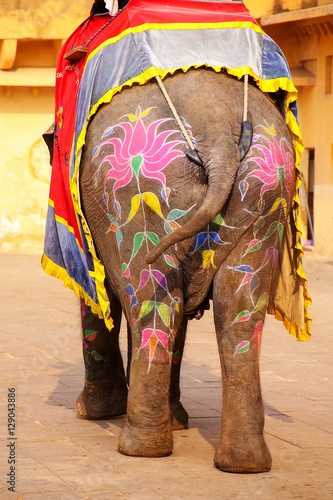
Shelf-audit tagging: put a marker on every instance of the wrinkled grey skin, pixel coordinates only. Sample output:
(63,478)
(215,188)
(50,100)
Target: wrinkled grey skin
(212,104)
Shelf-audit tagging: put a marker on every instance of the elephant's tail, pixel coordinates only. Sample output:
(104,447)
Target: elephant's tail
(221,174)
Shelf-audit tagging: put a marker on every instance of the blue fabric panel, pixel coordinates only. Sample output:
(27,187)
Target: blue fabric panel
(294,109)
(274,63)
(90,264)
(52,247)
(60,247)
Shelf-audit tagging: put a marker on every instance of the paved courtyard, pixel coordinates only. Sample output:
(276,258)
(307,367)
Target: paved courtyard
(61,456)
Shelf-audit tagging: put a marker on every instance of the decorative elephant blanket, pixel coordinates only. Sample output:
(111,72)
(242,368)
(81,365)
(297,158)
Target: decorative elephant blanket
(146,39)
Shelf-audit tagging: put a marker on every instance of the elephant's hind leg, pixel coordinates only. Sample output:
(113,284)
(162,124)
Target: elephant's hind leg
(238,328)
(153,398)
(154,407)
(148,430)
(259,204)
(178,414)
(105,391)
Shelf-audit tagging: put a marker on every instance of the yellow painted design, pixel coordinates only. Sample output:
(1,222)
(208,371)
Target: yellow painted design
(134,207)
(277,203)
(208,258)
(270,131)
(133,118)
(153,202)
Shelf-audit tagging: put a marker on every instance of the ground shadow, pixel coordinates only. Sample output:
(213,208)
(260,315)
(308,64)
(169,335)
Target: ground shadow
(204,415)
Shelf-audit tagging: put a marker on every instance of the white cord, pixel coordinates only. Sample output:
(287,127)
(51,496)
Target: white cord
(174,112)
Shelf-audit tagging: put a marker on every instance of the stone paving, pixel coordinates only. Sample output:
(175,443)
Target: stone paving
(61,456)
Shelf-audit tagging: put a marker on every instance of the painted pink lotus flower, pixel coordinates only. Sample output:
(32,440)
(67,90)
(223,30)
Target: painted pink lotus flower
(276,166)
(141,150)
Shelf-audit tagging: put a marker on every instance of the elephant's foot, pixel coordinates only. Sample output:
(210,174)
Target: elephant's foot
(178,416)
(145,442)
(95,403)
(248,455)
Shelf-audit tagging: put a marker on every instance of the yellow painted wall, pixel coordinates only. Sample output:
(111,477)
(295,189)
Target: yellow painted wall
(41,19)
(26,112)
(24,168)
(259,8)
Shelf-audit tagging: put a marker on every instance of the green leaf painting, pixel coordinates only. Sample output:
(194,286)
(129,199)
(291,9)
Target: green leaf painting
(137,242)
(153,238)
(261,303)
(219,220)
(242,316)
(146,307)
(176,213)
(164,312)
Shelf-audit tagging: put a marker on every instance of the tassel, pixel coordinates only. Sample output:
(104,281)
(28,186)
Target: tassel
(112,6)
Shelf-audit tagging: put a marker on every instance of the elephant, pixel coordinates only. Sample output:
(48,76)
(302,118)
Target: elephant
(173,235)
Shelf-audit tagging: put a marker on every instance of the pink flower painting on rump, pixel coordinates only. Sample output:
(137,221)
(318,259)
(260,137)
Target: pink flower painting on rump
(275,165)
(142,150)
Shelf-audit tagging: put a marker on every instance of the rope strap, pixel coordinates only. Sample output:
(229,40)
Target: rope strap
(174,111)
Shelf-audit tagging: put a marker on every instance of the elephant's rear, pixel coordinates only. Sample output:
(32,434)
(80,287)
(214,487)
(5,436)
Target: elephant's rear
(144,187)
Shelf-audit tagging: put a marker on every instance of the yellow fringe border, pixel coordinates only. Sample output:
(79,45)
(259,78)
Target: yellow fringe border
(265,86)
(305,333)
